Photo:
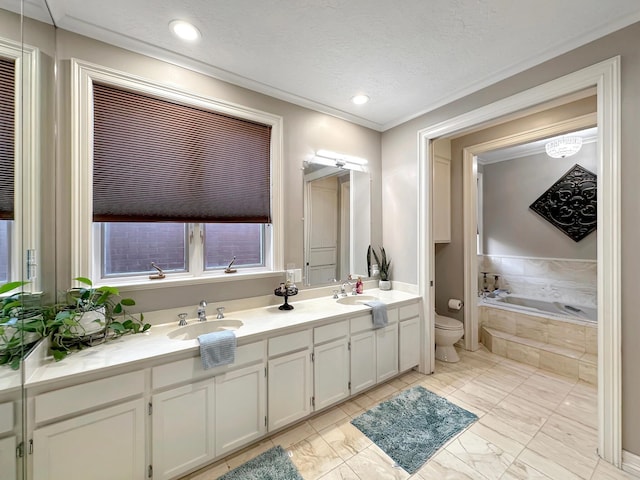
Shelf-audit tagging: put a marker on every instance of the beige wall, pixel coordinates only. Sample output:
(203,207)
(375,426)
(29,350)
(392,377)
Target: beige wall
(399,153)
(304,132)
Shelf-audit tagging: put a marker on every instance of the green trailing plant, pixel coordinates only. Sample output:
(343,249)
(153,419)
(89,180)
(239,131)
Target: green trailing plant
(22,324)
(66,330)
(384,264)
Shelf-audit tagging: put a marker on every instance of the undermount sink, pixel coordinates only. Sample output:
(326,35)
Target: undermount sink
(356,299)
(194,330)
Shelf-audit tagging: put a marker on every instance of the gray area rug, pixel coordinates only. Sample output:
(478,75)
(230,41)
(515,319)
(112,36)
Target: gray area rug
(274,464)
(413,425)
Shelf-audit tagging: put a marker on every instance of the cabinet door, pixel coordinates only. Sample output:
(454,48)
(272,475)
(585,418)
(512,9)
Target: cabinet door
(101,445)
(386,352)
(363,361)
(409,343)
(289,388)
(241,407)
(183,429)
(8,462)
(331,373)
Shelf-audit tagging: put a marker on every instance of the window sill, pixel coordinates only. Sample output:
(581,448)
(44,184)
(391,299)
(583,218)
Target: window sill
(186,280)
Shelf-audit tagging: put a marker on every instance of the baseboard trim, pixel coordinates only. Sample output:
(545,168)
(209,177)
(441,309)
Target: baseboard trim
(631,463)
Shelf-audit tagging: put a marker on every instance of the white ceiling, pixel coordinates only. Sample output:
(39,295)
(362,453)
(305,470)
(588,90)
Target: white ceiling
(409,56)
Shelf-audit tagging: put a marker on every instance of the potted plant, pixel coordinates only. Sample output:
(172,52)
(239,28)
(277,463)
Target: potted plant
(91,315)
(384,266)
(22,324)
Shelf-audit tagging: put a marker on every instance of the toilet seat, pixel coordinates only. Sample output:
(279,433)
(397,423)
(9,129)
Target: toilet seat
(448,323)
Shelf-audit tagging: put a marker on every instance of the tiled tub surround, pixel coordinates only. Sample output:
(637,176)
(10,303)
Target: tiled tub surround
(553,279)
(565,347)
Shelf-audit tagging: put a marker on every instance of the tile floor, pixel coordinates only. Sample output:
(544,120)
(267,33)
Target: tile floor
(532,425)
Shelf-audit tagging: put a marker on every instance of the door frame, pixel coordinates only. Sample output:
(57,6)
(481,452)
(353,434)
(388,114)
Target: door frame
(605,77)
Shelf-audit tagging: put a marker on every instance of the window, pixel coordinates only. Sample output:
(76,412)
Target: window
(19,177)
(166,189)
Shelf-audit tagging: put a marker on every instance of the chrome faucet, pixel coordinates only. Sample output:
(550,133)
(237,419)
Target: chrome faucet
(183,319)
(220,313)
(202,313)
(343,290)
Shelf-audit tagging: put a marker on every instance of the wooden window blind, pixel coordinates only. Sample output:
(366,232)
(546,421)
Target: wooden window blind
(7,137)
(158,161)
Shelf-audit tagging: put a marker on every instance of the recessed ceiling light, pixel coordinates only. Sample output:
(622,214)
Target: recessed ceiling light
(360,99)
(184,30)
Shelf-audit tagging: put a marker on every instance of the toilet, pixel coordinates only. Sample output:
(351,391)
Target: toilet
(448,331)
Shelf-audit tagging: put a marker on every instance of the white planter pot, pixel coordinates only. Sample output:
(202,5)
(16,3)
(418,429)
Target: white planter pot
(384,284)
(90,322)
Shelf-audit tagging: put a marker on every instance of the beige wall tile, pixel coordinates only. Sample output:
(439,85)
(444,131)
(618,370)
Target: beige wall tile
(591,340)
(559,364)
(568,335)
(588,372)
(534,328)
(502,320)
(523,353)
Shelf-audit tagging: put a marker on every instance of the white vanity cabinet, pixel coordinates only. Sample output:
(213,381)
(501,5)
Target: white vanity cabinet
(183,429)
(409,336)
(374,353)
(93,441)
(290,383)
(330,364)
(8,442)
(216,411)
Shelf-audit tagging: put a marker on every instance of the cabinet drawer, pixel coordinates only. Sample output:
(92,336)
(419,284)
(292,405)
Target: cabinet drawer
(6,417)
(91,395)
(289,343)
(409,311)
(365,322)
(191,368)
(330,332)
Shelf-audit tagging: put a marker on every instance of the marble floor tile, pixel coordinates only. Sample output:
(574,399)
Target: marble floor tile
(293,435)
(373,463)
(314,457)
(533,424)
(481,455)
(564,455)
(446,466)
(546,466)
(328,418)
(345,439)
(342,472)
(253,451)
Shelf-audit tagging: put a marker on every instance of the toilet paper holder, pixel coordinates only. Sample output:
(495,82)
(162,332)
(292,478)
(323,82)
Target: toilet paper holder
(455,304)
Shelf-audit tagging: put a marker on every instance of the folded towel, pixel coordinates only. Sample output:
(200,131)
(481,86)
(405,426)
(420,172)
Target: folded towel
(379,313)
(217,348)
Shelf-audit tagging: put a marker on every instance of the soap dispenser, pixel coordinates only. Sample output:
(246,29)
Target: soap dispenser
(359,285)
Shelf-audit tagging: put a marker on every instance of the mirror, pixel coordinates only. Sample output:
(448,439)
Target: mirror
(337,228)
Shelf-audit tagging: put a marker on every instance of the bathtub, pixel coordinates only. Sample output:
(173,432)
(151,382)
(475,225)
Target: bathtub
(544,307)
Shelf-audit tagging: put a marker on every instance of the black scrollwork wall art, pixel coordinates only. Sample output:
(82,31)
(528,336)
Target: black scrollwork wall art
(570,204)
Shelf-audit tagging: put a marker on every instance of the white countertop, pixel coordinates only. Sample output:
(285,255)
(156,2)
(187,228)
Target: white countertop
(153,345)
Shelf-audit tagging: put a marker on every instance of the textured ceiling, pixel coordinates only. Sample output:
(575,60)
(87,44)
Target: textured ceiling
(409,56)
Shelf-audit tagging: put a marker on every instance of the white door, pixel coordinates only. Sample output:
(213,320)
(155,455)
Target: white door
(331,373)
(323,230)
(363,361)
(241,407)
(409,343)
(101,445)
(290,388)
(183,429)
(386,352)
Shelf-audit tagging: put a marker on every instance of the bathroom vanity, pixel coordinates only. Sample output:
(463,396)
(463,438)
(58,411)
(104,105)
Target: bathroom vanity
(143,407)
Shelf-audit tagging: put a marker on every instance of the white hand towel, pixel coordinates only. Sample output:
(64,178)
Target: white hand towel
(379,313)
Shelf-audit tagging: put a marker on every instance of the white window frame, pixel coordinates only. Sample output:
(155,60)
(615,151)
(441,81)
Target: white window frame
(25,229)
(85,259)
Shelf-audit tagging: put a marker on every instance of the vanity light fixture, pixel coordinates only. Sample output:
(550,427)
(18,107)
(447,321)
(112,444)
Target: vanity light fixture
(184,30)
(360,99)
(339,160)
(562,147)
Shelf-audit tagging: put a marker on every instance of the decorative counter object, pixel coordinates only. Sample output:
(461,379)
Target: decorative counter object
(286,290)
(384,266)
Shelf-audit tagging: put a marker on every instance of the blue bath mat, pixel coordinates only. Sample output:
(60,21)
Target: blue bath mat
(413,426)
(274,464)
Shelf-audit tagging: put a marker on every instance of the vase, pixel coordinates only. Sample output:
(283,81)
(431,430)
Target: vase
(384,284)
(89,323)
